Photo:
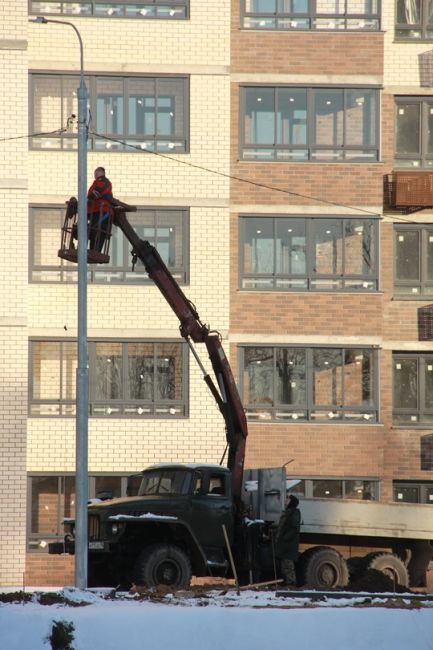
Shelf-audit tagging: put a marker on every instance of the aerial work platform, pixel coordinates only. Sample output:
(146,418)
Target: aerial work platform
(99,227)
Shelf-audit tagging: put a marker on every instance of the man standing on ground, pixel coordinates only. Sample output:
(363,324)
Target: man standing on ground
(287,540)
(99,199)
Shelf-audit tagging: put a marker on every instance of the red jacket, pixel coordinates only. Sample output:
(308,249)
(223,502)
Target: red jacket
(100,195)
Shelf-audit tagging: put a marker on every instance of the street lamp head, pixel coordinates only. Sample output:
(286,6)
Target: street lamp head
(39,19)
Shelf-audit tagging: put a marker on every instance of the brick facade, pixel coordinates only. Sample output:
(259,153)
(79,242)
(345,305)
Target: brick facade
(218,58)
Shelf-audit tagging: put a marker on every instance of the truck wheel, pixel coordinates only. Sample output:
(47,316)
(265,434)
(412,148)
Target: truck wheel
(325,568)
(391,566)
(163,564)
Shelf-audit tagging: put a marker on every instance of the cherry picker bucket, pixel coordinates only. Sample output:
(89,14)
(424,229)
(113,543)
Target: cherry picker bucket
(99,226)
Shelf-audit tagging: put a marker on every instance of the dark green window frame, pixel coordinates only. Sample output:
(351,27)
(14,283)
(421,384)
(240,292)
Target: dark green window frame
(301,124)
(295,384)
(127,379)
(412,389)
(138,9)
(295,253)
(359,489)
(166,228)
(413,261)
(414,133)
(413,491)
(131,113)
(302,15)
(413,20)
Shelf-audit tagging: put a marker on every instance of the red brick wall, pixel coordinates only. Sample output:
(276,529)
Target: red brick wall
(43,570)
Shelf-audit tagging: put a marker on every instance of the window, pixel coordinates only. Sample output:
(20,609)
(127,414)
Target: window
(353,488)
(166,482)
(52,498)
(413,389)
(170,9)
(130,379)
(414,20)
(414,133)
(413,267)
(309,384)
(413,492)
(354,15)
(288,124)
(309,254)
(130,113)
(166,229)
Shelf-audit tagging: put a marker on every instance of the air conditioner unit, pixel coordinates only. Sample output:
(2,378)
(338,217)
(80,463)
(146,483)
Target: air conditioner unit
(412,189)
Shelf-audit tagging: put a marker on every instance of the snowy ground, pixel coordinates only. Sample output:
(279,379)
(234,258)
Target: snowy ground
(219,621)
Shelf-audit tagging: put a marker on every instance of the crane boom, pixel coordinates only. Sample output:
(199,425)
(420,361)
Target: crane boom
(191,328)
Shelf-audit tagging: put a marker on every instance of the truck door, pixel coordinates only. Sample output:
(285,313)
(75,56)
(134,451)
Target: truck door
(212,507)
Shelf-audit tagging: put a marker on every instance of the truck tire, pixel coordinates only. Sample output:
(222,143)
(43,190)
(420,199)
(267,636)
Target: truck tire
(324,568)
(163,564)
(391,566)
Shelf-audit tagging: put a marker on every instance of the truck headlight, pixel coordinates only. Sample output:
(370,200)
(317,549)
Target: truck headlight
(117,528)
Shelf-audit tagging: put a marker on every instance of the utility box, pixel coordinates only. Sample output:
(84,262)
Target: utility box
(265,492)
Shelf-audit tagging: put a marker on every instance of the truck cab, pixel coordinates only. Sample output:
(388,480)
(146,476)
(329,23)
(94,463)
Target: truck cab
(174,524)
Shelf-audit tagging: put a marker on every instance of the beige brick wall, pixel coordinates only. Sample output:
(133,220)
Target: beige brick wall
(13,287)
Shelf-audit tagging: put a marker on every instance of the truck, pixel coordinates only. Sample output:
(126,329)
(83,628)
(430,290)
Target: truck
(201,520)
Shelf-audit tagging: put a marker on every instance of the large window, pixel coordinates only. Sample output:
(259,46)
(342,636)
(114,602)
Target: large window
(353,15)
(129,379)
(52,499)
(170,9)
(309,384)
(149,113)
(413,389)
(309,124)
(413,260)
(414,132)
(166,229)
(294,253)
(359,489)
(414,20)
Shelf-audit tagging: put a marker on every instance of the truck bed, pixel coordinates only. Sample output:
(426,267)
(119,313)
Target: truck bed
(366,518)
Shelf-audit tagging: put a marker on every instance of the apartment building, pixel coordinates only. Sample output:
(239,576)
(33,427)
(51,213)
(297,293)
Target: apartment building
(313,261)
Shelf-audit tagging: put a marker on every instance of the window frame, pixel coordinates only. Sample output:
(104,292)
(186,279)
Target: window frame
(96,273)
(310,146)
(183,4)
(425,103)
(310,480)
(289,414)
(34,537)
(420,411)
(425,230)
(310,275)
(66,407)
(110,144)
(310,17)
(421,486)
(408,27)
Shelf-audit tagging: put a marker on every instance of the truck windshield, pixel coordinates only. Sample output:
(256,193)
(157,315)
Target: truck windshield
(165,482)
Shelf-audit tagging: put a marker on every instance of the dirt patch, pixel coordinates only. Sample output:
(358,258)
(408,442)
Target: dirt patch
(373,581)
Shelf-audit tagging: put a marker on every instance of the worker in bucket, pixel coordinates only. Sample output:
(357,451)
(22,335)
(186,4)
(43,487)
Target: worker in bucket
(99,198)
(287,540)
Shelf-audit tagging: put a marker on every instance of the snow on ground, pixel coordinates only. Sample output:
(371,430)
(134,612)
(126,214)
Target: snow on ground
(219,621)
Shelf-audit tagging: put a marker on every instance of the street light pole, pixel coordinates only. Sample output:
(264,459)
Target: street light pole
(82,375)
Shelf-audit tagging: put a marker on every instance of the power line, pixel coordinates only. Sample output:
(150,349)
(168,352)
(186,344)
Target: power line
(243,180)
(34,135)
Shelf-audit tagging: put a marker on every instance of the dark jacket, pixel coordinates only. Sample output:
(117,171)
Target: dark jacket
(287,537)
